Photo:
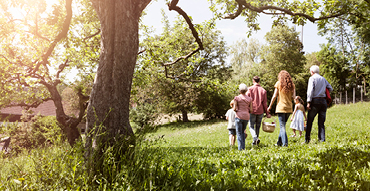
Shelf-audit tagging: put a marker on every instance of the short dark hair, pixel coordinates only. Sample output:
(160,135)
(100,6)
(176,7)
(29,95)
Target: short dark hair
(256,79)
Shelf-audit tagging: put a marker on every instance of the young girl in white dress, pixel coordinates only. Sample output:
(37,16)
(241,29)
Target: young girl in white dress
(297,117)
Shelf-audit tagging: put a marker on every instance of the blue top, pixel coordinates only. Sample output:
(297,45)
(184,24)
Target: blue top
(317,87)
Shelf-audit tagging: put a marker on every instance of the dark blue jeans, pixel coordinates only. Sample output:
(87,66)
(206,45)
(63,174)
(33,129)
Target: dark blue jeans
(254,125)
(283,138)
(240,126)
(318,106)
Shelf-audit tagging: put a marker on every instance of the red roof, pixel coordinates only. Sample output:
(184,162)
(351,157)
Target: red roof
(46,109)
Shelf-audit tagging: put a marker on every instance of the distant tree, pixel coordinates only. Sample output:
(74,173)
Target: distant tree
(283,51)
(244,54)
(347,34)
(311,60)
(178,87)
(214,99)
(245,59)
(334,67)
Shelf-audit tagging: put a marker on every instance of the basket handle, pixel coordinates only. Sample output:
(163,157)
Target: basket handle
(267,118)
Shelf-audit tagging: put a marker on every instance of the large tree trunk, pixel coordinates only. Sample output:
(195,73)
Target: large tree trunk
(108,111)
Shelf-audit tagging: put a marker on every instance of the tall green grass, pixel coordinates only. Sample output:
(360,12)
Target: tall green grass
(197,156)
(53,168)
(342,162)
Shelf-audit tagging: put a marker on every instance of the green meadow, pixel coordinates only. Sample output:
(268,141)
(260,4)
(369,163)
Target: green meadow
(197,156)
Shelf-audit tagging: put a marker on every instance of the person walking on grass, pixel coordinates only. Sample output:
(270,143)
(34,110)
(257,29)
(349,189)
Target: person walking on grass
(299,117)
(259,96)
(316,102)
(230,116)
(242,106)
(285,93)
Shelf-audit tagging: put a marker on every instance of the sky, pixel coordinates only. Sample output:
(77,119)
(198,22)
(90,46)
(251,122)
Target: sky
(232,30)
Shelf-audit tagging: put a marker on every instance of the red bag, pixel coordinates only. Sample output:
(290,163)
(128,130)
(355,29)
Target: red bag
(328,98)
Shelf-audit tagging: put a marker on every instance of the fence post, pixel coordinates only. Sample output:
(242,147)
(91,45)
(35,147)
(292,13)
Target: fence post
(346,97)
(340,100)
(361,93)
(354,95)
(335,98)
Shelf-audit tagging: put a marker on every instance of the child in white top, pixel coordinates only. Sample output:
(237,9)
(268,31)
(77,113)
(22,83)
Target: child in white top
(297,117)
(230,116)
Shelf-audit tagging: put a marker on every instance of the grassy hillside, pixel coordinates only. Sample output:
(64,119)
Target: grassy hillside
(196,156)
(342,162)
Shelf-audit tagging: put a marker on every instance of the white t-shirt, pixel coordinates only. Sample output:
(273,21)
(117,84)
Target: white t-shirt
(230,114)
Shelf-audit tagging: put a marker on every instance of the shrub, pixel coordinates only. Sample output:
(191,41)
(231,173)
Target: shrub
(144,114)
(46,129)
(37,132)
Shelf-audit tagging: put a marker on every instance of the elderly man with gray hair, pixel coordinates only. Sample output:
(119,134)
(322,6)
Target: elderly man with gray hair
(316,102)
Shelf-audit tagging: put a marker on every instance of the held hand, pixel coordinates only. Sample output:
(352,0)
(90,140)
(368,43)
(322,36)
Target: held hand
(268,109)
(268,115)
(308,106)
(291,119)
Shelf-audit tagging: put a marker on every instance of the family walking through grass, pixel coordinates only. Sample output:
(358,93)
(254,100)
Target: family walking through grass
(251,104)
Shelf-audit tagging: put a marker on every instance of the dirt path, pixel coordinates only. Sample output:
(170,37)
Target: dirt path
(167,118)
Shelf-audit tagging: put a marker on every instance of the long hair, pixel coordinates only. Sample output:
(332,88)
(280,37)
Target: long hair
(286,83)
(299,99)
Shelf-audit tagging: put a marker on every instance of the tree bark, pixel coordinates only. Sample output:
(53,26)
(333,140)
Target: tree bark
(364,85)
(69,123)
(108,111)
(185,116)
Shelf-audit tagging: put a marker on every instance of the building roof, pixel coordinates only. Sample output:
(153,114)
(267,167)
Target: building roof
(46,109)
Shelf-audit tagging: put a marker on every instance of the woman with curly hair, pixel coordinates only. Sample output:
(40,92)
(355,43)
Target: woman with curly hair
(285,92)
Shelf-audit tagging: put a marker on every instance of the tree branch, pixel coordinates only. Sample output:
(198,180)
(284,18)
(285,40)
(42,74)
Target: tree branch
(6,59)
(59,37)
(179,76)
(182,58)
(173,6)
(28,106)
(38,35)
(237,13)
(88,37)
(242,4)
(17,78)
(141,51)
(61,68)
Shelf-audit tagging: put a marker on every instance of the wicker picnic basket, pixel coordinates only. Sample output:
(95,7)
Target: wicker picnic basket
(268,127)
